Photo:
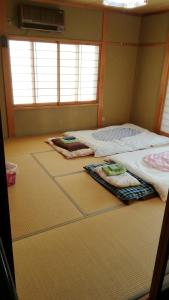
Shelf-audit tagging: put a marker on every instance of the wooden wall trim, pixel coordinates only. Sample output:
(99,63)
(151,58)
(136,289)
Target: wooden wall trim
(161,10)
(52,39)
(102,68)
(155,44)
(122,44)
(87,42)
(128,44)
(162,92)
(8,92)
(53,105)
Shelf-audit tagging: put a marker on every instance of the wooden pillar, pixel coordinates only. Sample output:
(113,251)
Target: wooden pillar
(5,227)
(102,68)
(4,52)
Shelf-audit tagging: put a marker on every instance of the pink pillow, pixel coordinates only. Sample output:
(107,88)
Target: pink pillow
(159,161)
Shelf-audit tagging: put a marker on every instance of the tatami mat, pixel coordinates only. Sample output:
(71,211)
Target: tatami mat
(36,203)
(56,165)
(25,145)
(106,257)
(89,195)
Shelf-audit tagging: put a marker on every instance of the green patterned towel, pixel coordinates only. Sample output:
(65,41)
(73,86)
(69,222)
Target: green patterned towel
(114,169)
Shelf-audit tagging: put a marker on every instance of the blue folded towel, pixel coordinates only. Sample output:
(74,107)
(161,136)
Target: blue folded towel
(67,138)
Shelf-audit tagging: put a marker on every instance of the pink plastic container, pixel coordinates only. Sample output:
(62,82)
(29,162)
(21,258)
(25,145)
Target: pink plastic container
(11,173)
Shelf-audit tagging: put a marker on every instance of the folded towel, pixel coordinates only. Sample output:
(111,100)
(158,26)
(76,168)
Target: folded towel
(114,169)
(69,138)
(120,181)
(69,141)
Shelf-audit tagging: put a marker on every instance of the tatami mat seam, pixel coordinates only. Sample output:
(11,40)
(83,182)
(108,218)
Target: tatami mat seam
(44,151)
(104,210)
(69,197)
(58,185)
(54,178)
(59,175)
(61,225)
(47,229)
(67,174)
(83,215)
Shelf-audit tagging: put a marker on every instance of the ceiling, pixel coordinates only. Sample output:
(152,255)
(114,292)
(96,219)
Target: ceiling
(153,6)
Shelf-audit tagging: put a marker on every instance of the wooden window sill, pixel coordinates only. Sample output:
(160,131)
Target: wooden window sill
(53,105)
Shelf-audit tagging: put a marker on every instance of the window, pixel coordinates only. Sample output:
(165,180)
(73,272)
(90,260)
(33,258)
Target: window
(53,72)
(165,115)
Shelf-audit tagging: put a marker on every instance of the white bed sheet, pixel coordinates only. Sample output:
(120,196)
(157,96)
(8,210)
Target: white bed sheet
(144,139)
(133,161)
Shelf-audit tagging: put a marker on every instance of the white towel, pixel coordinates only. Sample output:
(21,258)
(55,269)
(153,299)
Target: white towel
(121,181)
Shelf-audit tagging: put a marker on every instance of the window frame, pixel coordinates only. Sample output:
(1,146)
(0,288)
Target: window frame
(57,104)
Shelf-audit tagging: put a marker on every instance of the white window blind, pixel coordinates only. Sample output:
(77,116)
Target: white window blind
(165,115)
(53,72)
(22,72)
(45,70)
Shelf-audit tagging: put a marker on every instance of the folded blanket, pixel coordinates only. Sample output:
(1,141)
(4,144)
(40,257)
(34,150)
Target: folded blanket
(73,154)
(159,161)
(122,180)
(69,146)
(69,154)
(113,169)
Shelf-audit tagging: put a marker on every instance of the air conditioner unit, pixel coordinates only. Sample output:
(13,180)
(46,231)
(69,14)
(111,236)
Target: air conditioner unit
(41,18)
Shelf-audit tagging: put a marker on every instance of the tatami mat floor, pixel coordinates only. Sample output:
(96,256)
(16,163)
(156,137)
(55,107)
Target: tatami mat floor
(87,193)
(55,165)
(36,202)
(72,239)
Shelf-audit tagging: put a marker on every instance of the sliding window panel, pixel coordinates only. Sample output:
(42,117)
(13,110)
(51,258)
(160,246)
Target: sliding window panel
(78,72)
(45,66)
(88,72)
(21,71)
(69,72)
